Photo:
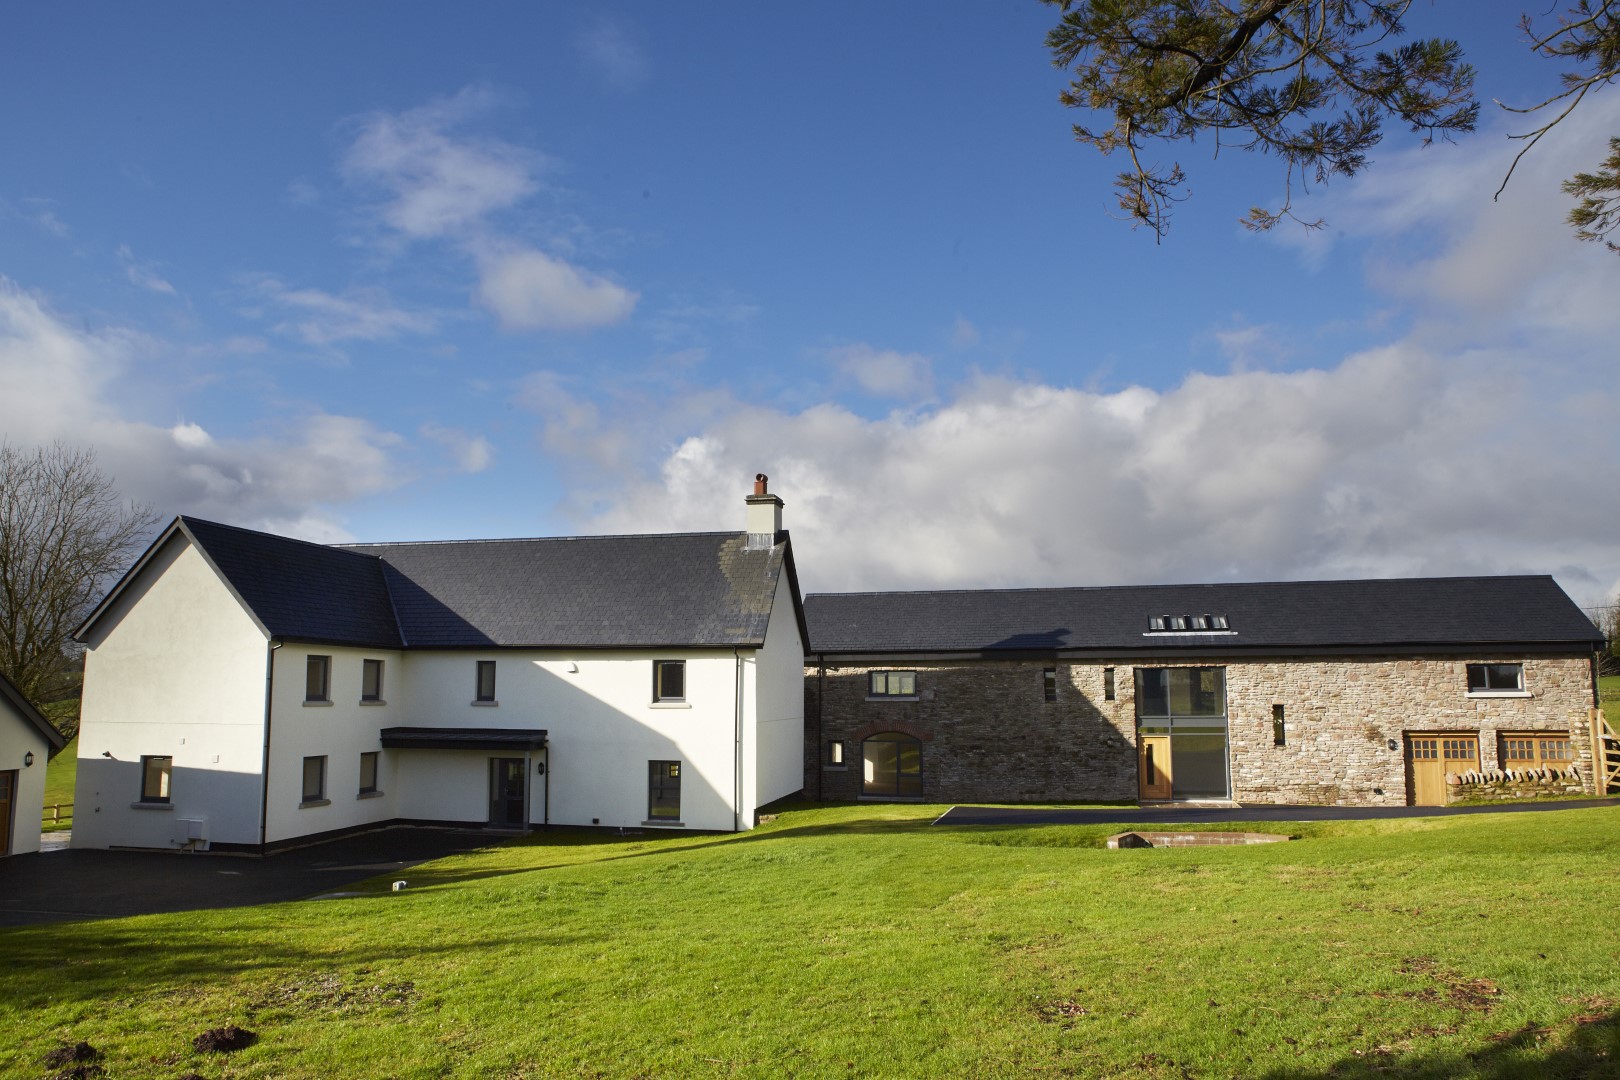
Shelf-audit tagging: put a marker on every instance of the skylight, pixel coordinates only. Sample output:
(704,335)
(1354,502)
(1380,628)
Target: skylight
(1188,624)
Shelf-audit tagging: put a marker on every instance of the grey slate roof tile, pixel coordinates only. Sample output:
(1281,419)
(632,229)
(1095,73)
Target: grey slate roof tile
(604,591)
(1400,612)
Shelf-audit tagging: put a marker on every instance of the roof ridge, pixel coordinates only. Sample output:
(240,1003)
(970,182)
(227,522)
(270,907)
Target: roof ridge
(532,539)
(189,520)
(1182,585)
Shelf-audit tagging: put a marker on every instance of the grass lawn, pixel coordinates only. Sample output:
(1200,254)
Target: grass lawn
(59,778)
(860,941)
(1609,689)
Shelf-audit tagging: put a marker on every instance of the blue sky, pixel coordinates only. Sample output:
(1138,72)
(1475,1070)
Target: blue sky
(430,272)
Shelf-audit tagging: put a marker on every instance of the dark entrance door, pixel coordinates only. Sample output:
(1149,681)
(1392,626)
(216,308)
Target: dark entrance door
(508,804)
(8,802)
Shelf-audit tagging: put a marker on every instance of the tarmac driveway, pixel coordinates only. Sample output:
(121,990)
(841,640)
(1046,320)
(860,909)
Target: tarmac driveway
(57,886)
(1204,815)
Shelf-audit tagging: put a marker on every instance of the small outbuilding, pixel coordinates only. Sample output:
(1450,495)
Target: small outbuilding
(27,742)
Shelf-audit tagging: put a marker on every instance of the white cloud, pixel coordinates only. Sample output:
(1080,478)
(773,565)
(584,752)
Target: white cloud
(964,335)
(61,382)
(471,453)
(141,274)
(609,52)
(439,181)
(321,318)
(885,372)
(530,290)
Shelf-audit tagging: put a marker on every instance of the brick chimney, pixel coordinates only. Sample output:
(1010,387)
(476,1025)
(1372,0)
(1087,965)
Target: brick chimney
(764,515)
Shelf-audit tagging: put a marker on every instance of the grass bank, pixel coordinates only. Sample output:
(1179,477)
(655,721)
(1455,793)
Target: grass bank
(60,777)
(861,941)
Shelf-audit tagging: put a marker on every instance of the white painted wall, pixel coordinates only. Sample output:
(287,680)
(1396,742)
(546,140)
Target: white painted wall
(19,738)
(778,684)
(176,667)
(340,731)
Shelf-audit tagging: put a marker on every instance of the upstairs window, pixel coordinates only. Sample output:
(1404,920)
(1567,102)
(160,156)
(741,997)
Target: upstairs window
(1108,684)
(1049,684)
(485,688)
(1495,678)
(892,684)
(317,678)
(155,773)
(669,680)
(371,682)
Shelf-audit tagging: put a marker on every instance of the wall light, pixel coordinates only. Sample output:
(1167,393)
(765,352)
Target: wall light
(28,760)
(1393,745)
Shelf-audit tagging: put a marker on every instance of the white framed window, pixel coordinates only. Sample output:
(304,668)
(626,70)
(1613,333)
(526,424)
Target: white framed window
(1496,678)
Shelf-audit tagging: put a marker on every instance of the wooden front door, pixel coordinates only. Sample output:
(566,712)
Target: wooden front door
(8,803)
(1430,757)
(508,804)
(1153,766)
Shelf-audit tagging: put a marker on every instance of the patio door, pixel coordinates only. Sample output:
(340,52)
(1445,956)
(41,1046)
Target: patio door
(508,802)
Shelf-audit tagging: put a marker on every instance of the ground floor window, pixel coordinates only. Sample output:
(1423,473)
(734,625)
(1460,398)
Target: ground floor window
(155,773)
(368,772)
(892,766)
(664,791)
(1536,750)
(315,779)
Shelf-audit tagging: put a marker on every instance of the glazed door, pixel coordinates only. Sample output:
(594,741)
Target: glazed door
(1153,767)
(507,801)
(1430,757)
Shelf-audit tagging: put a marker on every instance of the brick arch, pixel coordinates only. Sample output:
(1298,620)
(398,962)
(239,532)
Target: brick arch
(866,731)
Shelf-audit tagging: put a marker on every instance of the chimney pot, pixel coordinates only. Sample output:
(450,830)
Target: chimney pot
(759,483)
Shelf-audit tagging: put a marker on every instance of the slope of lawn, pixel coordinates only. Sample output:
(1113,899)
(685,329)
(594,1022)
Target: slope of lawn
(862,941)
(1609,691)
(60,776)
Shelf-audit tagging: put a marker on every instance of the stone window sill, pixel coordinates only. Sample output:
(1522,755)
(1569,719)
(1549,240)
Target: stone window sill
(670,705)
(666,821)
(370,795)
(1500,693)
(372,701)
(151,806)
(835,768)
(485,704)
(317,704)
(307,803)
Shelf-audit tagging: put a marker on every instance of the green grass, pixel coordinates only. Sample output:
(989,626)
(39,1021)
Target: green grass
(59,779)
(1609,689)
(860,941)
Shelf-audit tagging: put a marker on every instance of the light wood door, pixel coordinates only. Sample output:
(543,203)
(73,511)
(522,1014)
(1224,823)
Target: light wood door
(1153,766)
(1430,757)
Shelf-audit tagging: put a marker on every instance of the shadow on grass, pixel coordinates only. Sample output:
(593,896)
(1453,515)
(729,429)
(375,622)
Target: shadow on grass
(1590,1049)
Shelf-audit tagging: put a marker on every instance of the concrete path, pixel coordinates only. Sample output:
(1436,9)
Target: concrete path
(56,886)
(1204,815)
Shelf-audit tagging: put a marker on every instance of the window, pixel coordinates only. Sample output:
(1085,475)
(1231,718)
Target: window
(155,773)
(892,766)
(368,772)
(663,791)
(1495,678)
(317,678)
(669,680)
(1537,751)
(1049,684)
(893,684)
(314,780)
(835,753)
(1108,684)
(371,680)
(1187,705)
(1279,731)
(485,690)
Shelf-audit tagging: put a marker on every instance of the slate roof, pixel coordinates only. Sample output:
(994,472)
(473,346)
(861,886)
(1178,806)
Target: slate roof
(1291,616)
(691,589)
(31,715)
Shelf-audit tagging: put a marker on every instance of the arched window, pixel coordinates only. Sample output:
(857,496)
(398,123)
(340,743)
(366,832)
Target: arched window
(892,766)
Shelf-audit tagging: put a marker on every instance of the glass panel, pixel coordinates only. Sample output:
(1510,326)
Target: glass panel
(486,680)
(1108,684)
(155,773)
(315,679)
(314,778)
(1504,676)
(368,771)
(371,680)
(1198,766)
(880,758)
(664,790)
(1049,684)
(1152,692)
(903,682)
(1557,749)
(1197,691)
(671,680)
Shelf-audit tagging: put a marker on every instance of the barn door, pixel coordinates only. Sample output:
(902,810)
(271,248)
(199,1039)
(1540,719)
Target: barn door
(1153,767)
(1430,757)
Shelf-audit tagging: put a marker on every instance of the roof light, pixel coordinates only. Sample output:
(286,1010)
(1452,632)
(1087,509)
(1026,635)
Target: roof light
(1156,622)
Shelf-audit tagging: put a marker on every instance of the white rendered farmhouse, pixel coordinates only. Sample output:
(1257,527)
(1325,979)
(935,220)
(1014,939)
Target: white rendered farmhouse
(27,741)
(248,691)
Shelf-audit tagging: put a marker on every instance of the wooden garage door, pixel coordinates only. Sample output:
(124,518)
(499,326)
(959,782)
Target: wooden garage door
(1430,757)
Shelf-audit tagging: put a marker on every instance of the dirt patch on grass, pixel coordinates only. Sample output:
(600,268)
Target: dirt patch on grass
(328,992)
(1459,991)
(69,1055)
(224,1040)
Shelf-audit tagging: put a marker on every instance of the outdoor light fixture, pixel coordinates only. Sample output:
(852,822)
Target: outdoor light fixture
(106,753)
(28,760)
(1393,745)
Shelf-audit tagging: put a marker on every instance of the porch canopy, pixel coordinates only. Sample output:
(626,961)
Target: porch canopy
(462,738)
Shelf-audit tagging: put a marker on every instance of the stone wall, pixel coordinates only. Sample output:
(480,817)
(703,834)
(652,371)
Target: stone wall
(988,735)
(1515,785)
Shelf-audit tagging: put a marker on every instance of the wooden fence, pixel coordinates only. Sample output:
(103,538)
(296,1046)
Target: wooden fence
(1605,755)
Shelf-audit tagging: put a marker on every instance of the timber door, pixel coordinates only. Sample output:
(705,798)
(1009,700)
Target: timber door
(8,803)
(1153,767)
(508,805)
(1430,757)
